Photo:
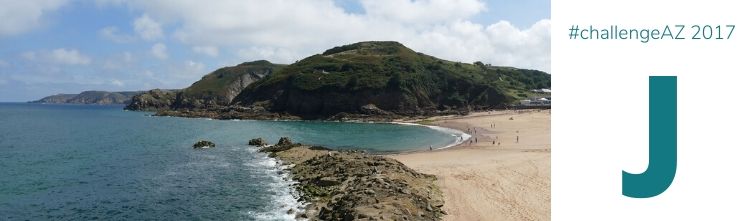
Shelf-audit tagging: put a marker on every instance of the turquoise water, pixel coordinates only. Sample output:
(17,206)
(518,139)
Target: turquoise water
(77,162)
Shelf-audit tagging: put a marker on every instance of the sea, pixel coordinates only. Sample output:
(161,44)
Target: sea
(99,162)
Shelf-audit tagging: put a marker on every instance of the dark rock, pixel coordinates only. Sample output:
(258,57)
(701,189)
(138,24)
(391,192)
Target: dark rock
(373,110)
(153,100)
(284,141)
(257,142)
(327,181)
(203,144)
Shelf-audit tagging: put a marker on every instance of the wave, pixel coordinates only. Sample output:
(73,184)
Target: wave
(459,136)
(285,197)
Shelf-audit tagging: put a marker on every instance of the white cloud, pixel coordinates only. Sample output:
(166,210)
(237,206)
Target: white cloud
(117,83)
(422,11)
(173,75)
(147,28)
(159,51)
(255,29)
(69,56)
(206,50)
(124,60)
(192,70)
(29,55)
(127,57)
(21,16)
(4,63)
(58,56)
(498,44)
(112,33)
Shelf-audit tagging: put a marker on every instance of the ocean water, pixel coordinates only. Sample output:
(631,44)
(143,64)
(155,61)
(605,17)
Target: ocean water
(78,162)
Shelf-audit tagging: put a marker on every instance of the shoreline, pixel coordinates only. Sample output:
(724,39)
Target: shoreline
(486,181)
(450,131)
(482,180)
(447,130)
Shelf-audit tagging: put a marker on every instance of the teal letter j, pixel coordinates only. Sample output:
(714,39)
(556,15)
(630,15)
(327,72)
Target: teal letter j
(662,141)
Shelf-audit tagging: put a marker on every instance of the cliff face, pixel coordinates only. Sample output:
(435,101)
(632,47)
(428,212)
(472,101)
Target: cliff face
(213,90)
(90,97)
(153,100)
(387,78)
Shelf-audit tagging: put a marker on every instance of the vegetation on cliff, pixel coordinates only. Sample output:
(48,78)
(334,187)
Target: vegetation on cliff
(366,80)
(387,78)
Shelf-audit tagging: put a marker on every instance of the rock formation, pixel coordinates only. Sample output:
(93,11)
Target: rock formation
(355,185)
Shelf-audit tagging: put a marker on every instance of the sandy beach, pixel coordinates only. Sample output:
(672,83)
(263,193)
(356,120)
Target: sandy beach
(506,180)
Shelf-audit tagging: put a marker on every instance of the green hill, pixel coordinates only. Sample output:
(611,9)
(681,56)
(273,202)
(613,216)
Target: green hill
(213,90)
(384,78)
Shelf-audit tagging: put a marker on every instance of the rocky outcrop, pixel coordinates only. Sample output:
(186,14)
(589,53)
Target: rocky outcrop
(284,141)
(90,97)
(153,100)
(203,144)
(257,142)
(355,185)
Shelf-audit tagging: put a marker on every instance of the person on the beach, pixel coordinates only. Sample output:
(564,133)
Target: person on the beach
(517,139)
(494,143)
(431,147)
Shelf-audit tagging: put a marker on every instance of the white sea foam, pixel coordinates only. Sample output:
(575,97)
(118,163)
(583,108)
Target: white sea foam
(285,197)
(457,134)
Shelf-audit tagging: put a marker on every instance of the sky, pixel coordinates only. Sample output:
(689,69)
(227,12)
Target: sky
(68,46)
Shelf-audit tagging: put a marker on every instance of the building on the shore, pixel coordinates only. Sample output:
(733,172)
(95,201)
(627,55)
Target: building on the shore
(536,102)
(542,90)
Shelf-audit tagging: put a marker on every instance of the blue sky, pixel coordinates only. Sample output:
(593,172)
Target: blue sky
(67,46)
